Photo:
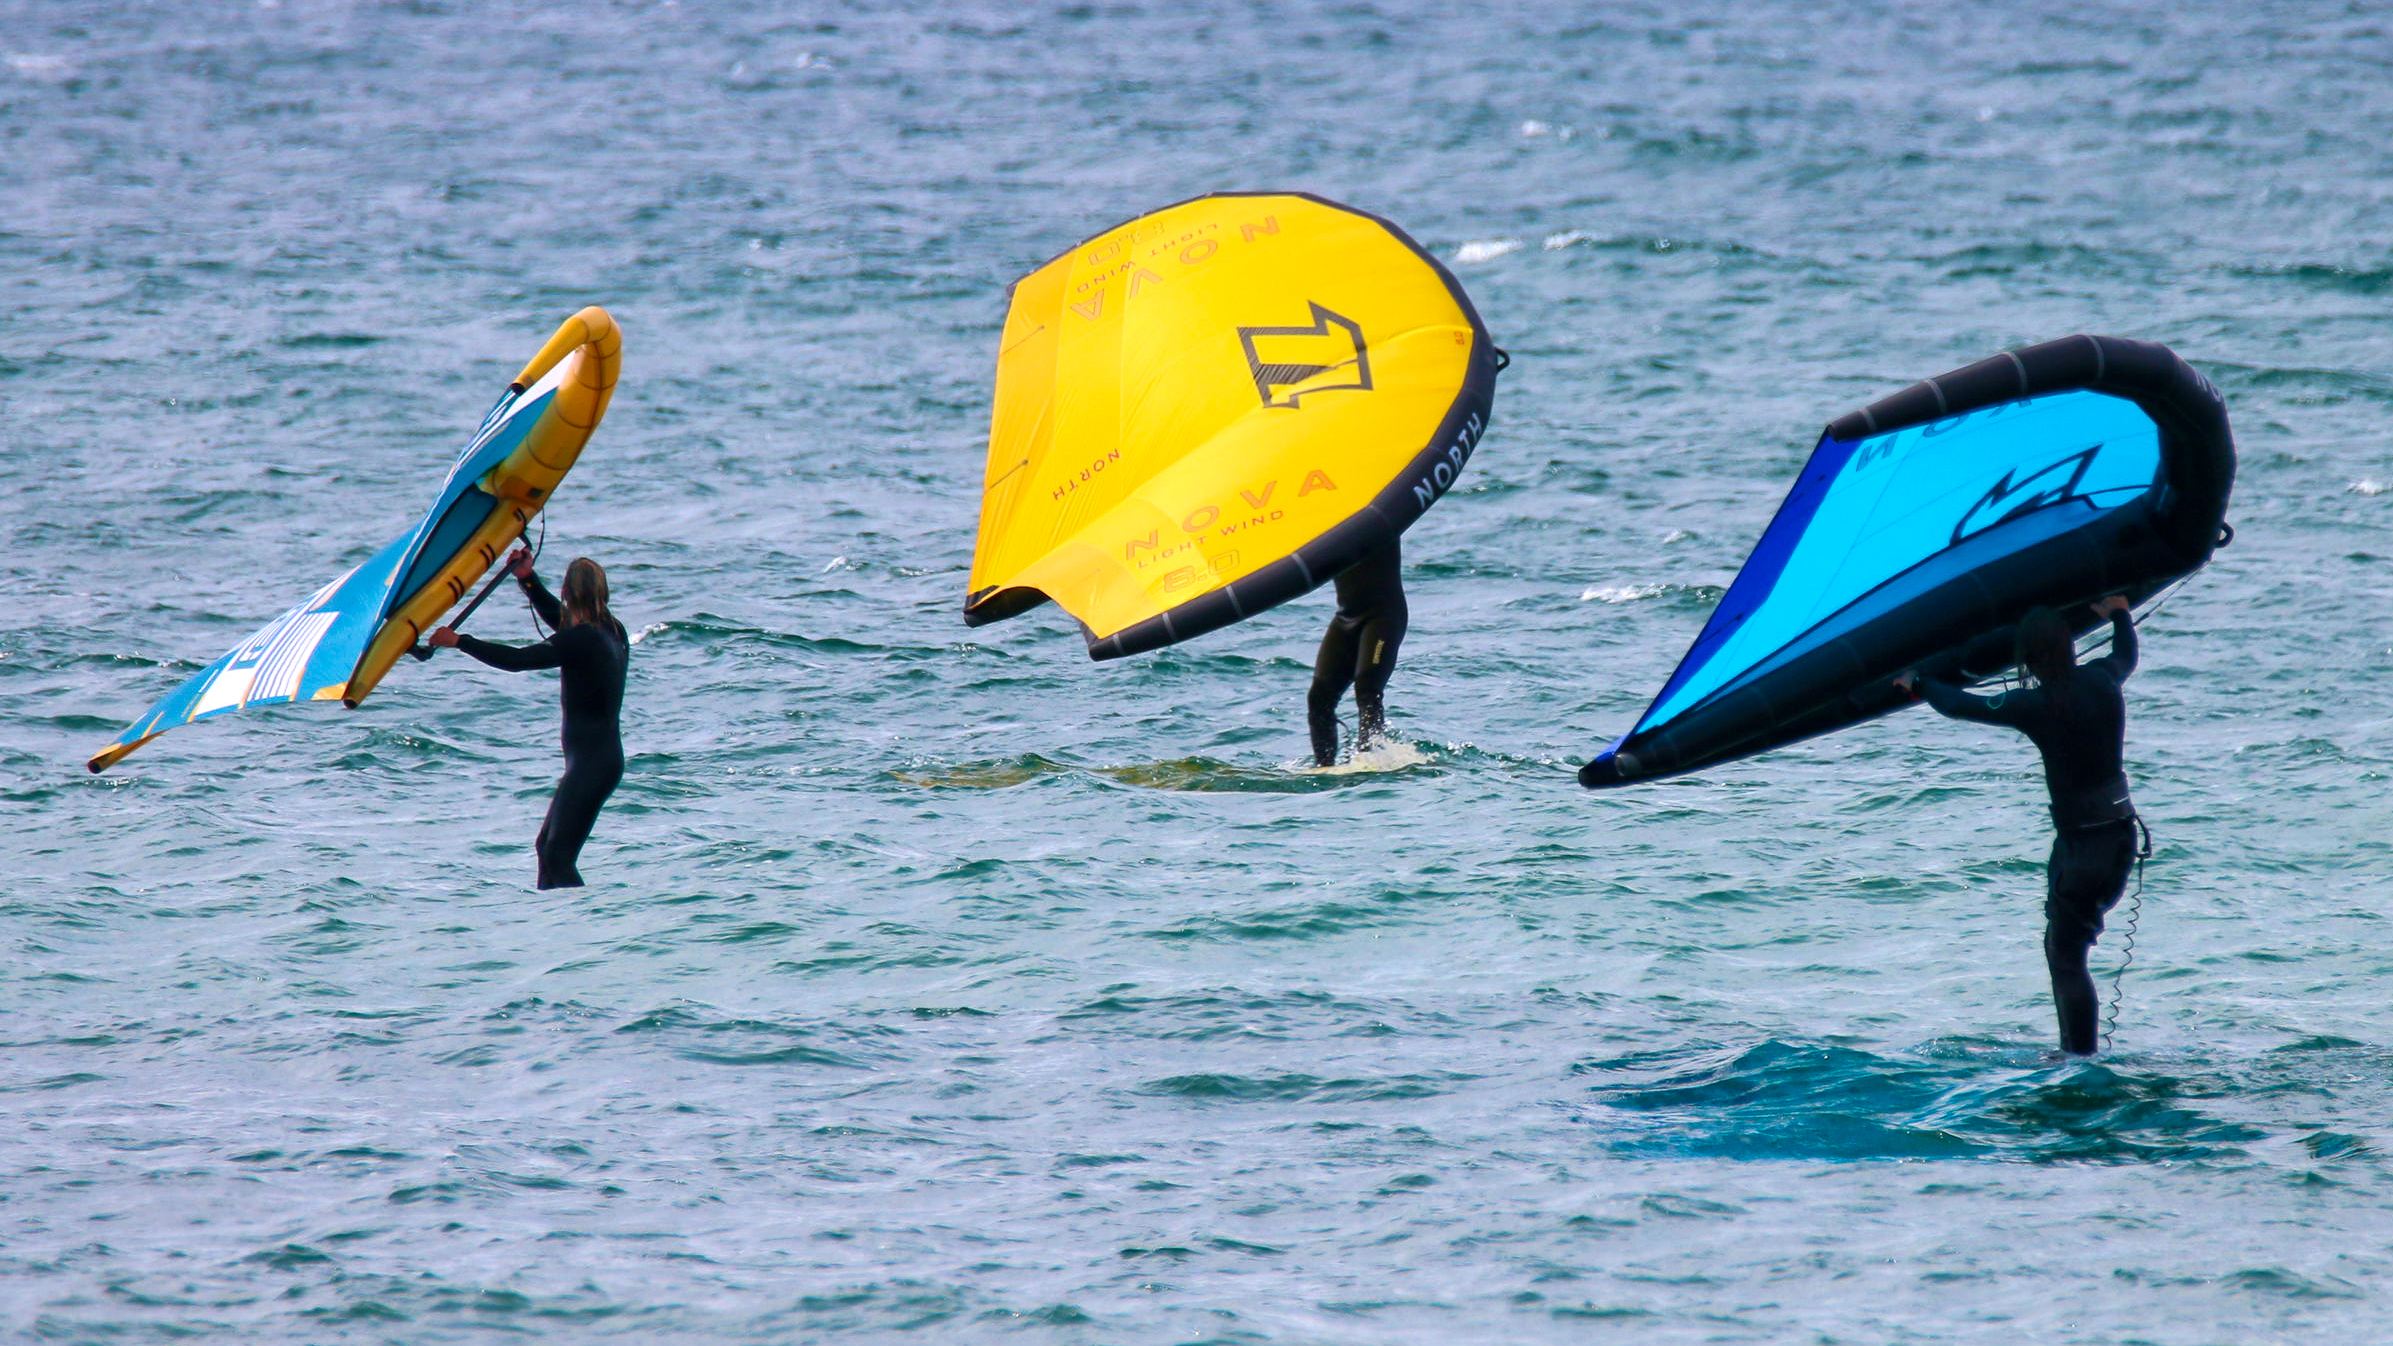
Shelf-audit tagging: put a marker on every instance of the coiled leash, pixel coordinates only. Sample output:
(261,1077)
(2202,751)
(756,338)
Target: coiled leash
(537,624)
(2135,909)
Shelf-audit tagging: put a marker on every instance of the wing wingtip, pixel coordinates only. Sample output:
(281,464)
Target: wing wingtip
(1608,769)
(112,754)
(999,602)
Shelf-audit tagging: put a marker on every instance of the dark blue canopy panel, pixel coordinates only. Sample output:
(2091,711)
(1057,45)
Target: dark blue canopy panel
(1926,525)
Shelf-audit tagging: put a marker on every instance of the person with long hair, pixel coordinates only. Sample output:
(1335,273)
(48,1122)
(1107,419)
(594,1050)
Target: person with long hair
(591,654)
(2077,717)
(1359,651)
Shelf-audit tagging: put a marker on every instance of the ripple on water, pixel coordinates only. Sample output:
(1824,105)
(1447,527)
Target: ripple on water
(692,1034)
(1289,1088)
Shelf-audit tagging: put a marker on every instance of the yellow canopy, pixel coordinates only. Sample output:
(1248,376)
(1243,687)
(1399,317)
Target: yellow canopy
(1211,409)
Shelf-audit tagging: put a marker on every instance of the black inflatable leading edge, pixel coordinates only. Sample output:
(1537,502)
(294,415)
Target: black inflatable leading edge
(1962,630)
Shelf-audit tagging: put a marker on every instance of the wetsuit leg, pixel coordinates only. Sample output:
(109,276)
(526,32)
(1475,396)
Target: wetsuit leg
(581,792)
(2088,872)
(1375,662)
(1360,649)
(1333,673)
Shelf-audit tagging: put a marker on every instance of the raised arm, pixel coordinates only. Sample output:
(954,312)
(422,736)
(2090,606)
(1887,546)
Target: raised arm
(1952,701)
(543,602)
(2121,659)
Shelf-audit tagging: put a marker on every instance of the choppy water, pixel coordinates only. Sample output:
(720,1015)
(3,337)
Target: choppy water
(940,985)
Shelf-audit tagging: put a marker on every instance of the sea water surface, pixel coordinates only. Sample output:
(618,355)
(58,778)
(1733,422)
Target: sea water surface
(937,984)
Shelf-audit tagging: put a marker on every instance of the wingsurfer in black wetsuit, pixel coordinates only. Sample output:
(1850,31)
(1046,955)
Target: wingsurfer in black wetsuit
(1359,651)
(591,654)
(2077,718)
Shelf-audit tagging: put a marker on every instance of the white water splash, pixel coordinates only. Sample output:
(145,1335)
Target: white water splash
(1623,593)
(38,66)
(1388,755)
(1485,250)
(2369,486)
(649,630)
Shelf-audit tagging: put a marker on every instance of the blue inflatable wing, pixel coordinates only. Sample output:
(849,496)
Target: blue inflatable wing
(310,652)
(1925,525)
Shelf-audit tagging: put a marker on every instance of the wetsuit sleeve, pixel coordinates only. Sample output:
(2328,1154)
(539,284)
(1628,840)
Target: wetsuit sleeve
(543,602)
(512,658)
(2121,659)
(1960,705)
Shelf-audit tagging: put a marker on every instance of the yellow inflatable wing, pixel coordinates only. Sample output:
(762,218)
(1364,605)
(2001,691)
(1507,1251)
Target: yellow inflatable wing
(1211,409)
(581,363)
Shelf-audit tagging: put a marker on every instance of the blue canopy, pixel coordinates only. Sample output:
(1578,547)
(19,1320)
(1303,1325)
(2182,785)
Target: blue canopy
(310,652)
(1926,525)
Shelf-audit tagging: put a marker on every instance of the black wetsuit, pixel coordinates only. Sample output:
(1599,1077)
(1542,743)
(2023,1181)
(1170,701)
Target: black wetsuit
(2080,725)
(1359,651)
(591,662)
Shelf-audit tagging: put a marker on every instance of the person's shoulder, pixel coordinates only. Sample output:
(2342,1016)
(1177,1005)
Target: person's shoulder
(2102,671)
(611,636)
(2097,681)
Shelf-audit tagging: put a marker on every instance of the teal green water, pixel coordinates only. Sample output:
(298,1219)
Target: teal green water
(938,984)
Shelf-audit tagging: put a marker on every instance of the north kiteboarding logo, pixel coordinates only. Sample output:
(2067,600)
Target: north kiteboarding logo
(2041,489)
(1289,363)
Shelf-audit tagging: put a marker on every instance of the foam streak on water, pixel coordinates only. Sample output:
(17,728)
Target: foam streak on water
(939,984)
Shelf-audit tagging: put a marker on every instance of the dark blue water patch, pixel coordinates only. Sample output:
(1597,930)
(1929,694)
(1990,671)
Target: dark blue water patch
(1786,1100)
(1776,1100)
(2093,1112)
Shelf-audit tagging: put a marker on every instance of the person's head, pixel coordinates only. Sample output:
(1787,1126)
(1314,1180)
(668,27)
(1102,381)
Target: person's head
(585,595)
(2045,646)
